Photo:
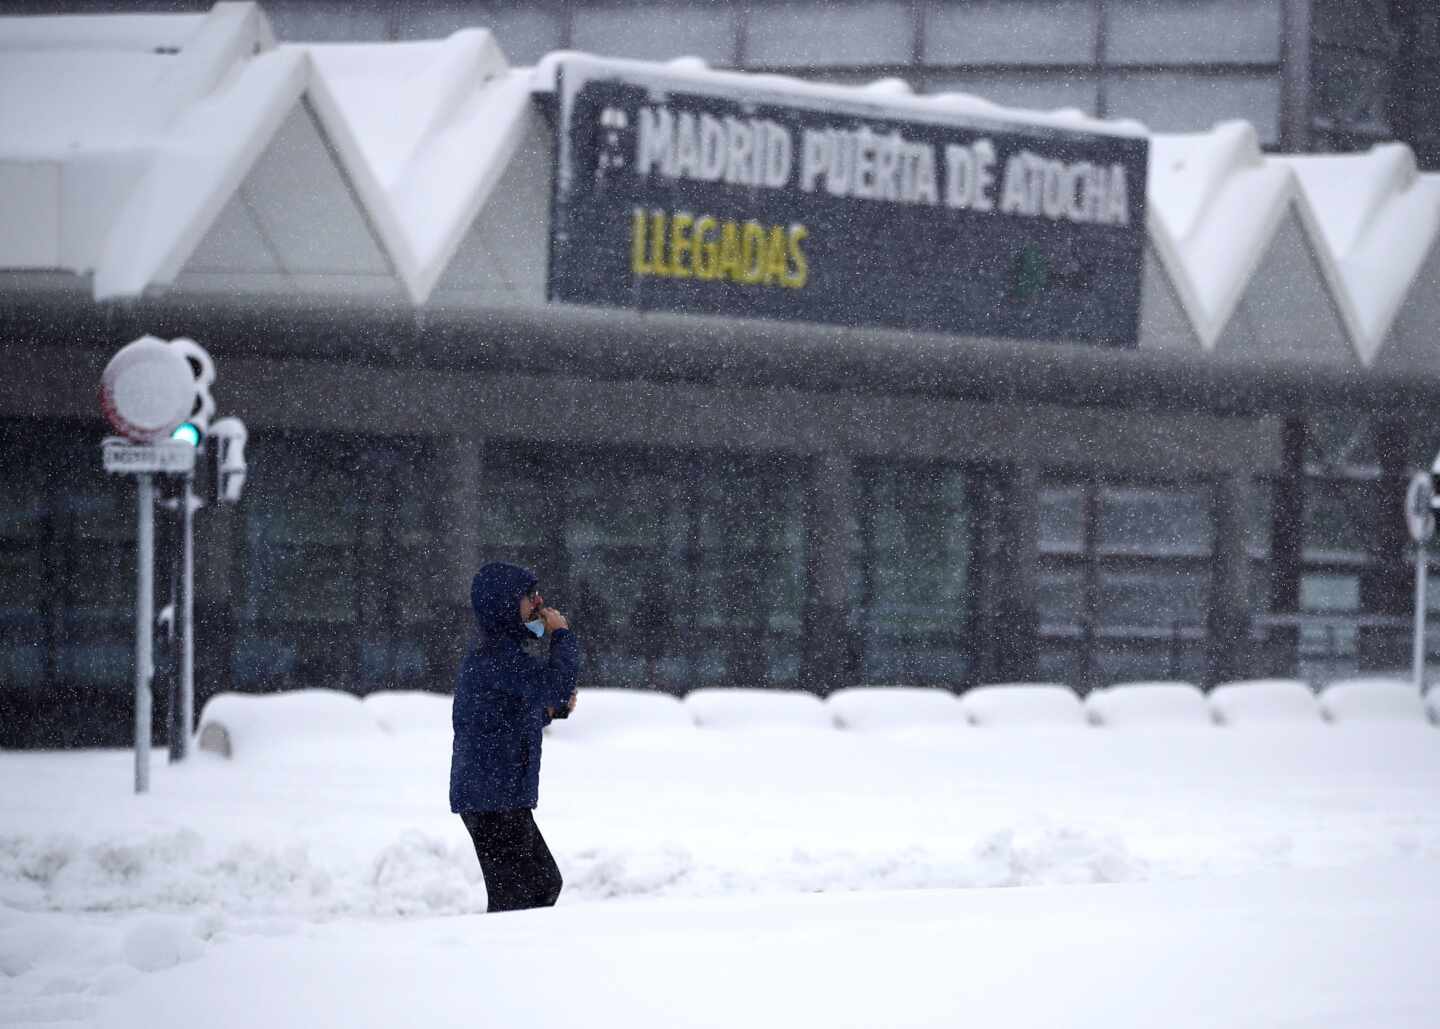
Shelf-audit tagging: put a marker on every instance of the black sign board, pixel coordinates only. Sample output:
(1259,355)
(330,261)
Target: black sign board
(724,195)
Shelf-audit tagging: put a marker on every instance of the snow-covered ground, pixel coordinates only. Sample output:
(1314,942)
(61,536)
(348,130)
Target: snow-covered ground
(1283,874)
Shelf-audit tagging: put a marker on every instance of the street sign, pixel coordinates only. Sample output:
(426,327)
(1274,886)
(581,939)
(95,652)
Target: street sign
(708,197)
(172,457)
(1419,507)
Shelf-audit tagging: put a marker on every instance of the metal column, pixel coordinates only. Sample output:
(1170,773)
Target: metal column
(1417,653)
(187,622)
(144,617)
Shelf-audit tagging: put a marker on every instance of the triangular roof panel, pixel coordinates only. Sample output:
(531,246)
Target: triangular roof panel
(426,130)
(1413,340)
(293,221)
(1215,206)
(1288,310)
(1380,219)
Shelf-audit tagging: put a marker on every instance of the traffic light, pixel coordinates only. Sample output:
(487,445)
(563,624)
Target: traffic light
(230,437)
(192,430)
(153,390)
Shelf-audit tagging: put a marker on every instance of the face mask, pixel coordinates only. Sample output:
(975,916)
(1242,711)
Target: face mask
(537,626)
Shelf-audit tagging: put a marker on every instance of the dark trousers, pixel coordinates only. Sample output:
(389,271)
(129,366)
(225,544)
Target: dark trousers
(520,872)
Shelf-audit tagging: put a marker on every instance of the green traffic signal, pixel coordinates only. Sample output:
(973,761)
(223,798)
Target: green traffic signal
(188,432)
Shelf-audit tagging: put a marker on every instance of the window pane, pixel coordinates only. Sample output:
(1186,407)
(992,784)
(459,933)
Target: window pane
(1261,516)
(888,660)
(303,525)
(620,530)
(1342,441)
(822,34)
(23,636)
(1160,598)
(646,533)
(22,662)
(1134,660)
(93,562)
(918,533)
(1062,519)
(513,488)
(98,581)
(1260,585)
(1192,31)
(1339,516)
(1030,92)
(1155,521)
(749,563)
(1061,661)
(657,32)
(920,540)
(107,665)
(24,510)
(1062,598)
(1351,90)
(525,34)
(1193,103)
(1325,592)
(1010,32)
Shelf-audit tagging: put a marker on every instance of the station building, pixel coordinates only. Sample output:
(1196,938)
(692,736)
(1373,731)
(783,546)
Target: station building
(774,383)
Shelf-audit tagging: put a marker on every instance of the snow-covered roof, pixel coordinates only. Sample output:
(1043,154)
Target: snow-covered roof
(174,152)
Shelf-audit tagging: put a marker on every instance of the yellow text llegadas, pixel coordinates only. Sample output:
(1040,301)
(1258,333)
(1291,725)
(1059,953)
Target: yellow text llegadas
(682,246)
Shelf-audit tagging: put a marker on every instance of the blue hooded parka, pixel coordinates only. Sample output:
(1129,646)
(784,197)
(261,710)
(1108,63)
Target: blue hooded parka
(501,697)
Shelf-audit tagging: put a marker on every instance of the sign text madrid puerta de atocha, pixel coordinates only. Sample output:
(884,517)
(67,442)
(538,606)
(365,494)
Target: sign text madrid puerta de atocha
(695,195)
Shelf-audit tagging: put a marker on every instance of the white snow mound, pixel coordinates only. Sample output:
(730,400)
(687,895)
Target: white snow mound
(894,707)
(757,708)
(1371,699)
(157,943)
(1144,704)
(606,712)
(401,711)
(1264,701)
(246,723)
(1023,704)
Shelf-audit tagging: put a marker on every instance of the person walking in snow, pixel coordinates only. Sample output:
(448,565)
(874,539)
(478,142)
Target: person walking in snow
(504,698)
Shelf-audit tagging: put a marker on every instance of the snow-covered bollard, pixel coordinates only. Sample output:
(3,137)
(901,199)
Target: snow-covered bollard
(1029,705)
(868,708)
(1146,704)
(604,712)
(233,723)
(1265,702)
(757,708)
(1370,699)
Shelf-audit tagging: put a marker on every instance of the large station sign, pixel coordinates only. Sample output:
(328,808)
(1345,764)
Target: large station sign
(729,196)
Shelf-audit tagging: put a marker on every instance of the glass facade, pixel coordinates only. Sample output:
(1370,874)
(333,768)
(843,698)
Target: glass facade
(685,568)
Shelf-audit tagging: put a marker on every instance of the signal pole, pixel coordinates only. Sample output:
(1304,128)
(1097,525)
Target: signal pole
(180,746)
(144,616)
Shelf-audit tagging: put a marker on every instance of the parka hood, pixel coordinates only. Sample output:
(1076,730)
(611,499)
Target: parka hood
(495,594)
